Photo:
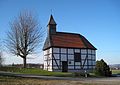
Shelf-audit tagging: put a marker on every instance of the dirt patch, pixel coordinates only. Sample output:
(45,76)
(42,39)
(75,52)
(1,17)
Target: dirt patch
(87,81)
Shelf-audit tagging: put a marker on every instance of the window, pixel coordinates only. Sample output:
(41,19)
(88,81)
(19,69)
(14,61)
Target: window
(77,57)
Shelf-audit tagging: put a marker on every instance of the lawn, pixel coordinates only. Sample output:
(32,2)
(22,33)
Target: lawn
(115,71)
(38,71)
(35,71)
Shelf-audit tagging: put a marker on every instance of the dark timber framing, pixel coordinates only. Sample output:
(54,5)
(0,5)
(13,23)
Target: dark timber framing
(58,42)
(85,63)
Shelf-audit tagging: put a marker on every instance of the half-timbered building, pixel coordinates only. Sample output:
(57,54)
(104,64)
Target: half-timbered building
(67,52)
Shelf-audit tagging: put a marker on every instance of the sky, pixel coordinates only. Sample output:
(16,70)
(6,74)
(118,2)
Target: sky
(97,20)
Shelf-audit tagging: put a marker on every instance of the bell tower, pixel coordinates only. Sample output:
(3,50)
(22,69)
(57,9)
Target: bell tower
(51,26)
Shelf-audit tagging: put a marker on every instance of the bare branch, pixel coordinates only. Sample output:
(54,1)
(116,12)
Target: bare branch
(25,35)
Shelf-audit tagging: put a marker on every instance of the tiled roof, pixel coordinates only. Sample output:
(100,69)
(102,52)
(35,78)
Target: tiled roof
(47,43)
(67,40)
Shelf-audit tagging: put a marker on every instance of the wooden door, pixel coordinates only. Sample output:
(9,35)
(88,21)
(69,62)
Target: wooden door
(64,66)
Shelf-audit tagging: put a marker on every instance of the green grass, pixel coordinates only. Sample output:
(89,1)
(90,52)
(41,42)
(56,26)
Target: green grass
(115,71)
(35,71)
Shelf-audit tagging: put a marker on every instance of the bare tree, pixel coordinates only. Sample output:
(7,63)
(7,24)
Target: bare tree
(1,54)
(24,36)
(1,58)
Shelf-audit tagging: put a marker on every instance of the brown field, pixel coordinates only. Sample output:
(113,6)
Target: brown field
(28,81)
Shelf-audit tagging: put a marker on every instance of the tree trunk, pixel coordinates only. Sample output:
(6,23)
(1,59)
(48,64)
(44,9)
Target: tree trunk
(24,62)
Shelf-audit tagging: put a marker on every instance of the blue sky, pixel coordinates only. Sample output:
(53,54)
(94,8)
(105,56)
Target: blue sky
(97,20)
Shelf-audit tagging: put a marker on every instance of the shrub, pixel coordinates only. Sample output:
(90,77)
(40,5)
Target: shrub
(102,69)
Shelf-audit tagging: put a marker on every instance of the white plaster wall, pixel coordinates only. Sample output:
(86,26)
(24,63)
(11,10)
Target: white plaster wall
(85,62)
(77,67)
(83,51)
(50,62)
(58,62)
(72,62)
(90,67)
(63,50)
(89,57)
(93,57)
(50,50)
(63,57)
(83,56)
(45,65)
(71,57)
(70,51)
(89,62)
(45,68)
(50,68)
(77,63)
(45,52)
(77,50)
(45,58)
(89,51)
(93,51)
(50,56)
(82,62)
(70,67)
(56,50)
(94,62)
(56,56)
(85,67)
(50,65)
(55,67)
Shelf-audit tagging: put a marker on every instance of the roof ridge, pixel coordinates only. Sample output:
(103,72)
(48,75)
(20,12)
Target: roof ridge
(83,40)
(68,33)
(82,37)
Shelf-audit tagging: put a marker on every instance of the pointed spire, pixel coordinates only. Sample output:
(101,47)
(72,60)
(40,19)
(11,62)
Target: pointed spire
(51,26)
(52,21)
